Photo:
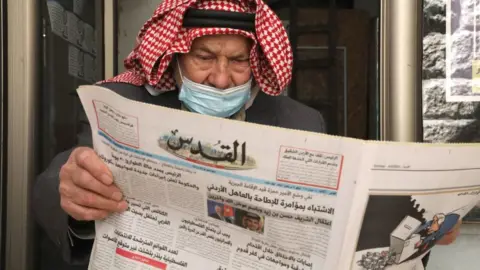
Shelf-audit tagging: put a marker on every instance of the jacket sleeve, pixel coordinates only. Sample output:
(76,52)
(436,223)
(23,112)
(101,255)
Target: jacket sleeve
(72,239)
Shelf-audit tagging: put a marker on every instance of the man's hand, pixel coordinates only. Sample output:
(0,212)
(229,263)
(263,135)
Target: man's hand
(451,236)
(86,187)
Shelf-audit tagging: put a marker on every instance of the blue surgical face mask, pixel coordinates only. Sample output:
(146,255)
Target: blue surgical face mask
(211,101)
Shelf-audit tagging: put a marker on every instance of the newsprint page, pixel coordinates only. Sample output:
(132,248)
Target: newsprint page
(209,193)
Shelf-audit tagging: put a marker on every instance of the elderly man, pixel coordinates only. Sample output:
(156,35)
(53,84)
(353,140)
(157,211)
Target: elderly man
(229,59)
(223,58)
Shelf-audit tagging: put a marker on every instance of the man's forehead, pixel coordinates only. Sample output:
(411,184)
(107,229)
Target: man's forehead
(217,43)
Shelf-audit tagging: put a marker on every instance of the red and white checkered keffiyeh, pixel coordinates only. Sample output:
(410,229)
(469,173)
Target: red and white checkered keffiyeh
(162,36)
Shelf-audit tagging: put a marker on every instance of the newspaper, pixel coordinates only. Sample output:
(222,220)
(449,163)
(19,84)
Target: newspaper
(210,193)
(417,193)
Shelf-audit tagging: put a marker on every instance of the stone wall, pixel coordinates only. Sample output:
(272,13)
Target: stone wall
(448,122)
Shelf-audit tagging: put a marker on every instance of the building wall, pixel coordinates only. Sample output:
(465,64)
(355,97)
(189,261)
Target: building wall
(450,122)
(443,122)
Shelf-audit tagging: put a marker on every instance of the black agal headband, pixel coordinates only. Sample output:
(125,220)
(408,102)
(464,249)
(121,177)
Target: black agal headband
(201,18)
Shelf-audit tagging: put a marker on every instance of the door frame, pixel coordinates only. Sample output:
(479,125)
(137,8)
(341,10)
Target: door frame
(24,30)
(3,128)
(401,52)
(110,26)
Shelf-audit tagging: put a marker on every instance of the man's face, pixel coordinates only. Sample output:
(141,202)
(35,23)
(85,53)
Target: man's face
(253,224)
(218,209)
(221,61)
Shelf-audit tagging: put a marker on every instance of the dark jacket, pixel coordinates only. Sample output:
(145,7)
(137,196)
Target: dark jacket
(56,241)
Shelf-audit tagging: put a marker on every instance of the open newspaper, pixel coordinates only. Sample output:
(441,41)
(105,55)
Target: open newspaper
(210,193)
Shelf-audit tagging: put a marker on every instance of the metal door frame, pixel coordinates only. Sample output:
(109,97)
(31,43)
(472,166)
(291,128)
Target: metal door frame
(3,128)
(24,53)
(24,85)
(401,51)
(110,26)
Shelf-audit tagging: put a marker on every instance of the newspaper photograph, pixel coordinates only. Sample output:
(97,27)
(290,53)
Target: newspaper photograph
(210,193)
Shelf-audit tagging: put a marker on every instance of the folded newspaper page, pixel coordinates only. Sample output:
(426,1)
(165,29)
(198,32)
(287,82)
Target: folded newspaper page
(210,193)
(418,193)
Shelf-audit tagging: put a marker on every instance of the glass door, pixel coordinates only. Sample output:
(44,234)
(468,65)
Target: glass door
(72,55)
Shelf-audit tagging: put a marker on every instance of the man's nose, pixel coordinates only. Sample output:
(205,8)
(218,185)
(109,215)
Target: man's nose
(220,77)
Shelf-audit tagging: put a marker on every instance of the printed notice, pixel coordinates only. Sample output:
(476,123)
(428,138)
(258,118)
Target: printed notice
(130,259)
(122,127)
(310,168)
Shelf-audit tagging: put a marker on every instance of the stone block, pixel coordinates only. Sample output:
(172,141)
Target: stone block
(456,10)
(463,54)
(435,105)
(452,121)
(451,131)
(466,16)
(462,87)
(434,56)
(434,16)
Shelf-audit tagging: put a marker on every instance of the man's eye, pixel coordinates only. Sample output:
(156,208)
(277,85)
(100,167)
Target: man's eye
(241,60)
(204,57)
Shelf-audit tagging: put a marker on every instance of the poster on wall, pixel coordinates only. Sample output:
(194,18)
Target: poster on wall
(462,51)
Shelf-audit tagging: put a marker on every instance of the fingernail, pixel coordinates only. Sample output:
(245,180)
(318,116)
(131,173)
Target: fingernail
(117,196)
(106,179)
(122,206)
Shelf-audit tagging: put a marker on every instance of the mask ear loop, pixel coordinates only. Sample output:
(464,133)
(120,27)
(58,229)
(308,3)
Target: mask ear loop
(182,78)
(177,72)
(179,68)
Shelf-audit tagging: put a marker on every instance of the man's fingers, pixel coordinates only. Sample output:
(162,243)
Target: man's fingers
(86,187)
(90,199)
(87,159)
(82,213)
(85,180)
